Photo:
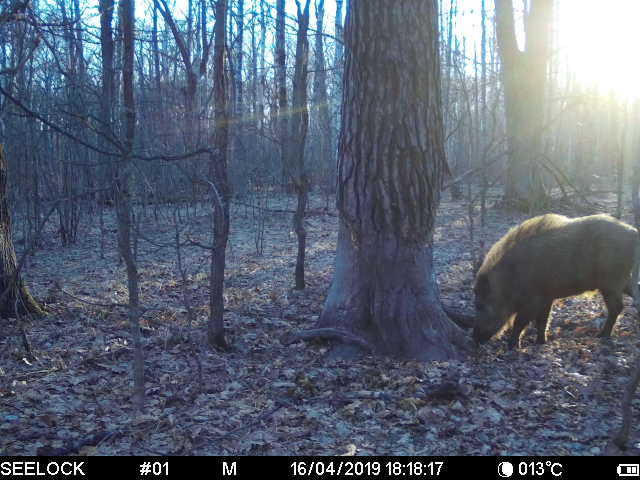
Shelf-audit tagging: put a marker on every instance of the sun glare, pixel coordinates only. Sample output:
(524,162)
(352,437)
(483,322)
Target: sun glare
(601,41)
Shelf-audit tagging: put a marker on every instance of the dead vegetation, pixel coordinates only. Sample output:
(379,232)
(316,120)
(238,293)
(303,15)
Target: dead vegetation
(265,398)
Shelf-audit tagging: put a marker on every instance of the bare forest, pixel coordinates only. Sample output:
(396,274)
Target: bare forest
(265,227)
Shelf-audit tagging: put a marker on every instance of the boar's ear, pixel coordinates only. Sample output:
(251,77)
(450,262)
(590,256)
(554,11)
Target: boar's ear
(483,289)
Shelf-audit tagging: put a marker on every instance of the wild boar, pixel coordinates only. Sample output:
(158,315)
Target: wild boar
(550,257)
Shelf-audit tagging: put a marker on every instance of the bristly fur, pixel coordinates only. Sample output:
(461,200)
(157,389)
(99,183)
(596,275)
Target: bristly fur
(549,257)
(527,229)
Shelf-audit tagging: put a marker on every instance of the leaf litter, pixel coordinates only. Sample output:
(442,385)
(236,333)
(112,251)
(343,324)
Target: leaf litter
(264,398)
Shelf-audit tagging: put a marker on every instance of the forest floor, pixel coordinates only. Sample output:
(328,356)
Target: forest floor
(264,398)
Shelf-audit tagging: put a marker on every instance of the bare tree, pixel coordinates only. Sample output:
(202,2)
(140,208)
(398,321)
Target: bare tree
(338,63)
(107,96)
(524,75)
(325,154)
(239,60)
(122,194)
(293,147)
(218,179)
(194,70)
(339,34)
(390,170)
(281,70)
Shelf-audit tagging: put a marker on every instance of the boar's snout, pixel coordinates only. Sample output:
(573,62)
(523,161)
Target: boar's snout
(483,328)
(488,322)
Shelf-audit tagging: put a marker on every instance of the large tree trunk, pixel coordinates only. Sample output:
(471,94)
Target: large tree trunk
(390,170)
(15,297)
(524,78)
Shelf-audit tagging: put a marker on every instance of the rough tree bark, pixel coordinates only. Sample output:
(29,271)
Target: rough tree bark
(390,169)
(524,76)
(219,183)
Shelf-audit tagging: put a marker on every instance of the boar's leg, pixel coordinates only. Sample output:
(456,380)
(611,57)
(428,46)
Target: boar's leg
(613,300)
(522,321)
(531,311)
(628,290)
(542,322)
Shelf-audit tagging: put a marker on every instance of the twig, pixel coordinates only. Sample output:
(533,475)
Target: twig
(36,372)
(4,404)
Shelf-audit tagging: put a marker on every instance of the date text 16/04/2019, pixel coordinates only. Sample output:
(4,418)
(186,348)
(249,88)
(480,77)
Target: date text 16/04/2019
(360,468)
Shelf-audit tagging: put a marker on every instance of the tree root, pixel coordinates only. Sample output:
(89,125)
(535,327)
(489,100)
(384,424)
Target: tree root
(330,333)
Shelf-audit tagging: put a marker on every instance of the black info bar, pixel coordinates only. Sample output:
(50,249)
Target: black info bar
(408,467)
